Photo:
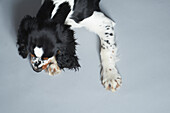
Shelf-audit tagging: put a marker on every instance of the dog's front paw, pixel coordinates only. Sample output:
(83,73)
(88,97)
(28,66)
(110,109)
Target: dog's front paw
(53,69)
(111,81)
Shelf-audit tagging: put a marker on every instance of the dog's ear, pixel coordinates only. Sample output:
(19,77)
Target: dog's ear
(66,60)
(66,46)
(27,24)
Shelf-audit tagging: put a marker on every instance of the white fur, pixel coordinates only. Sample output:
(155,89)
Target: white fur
(38,52)
(104,28)
(57,4)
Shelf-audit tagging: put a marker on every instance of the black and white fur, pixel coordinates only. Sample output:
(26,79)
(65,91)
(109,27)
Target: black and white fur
(54,22)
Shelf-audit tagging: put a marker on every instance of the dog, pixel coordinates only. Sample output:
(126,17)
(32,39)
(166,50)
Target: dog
(48,38)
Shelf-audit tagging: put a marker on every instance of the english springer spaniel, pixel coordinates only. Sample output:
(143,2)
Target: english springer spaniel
(48,38)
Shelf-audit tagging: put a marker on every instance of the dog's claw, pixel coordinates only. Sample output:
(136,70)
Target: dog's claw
(112,83)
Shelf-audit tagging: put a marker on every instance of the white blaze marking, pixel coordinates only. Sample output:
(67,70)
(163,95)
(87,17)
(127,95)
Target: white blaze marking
(38,51)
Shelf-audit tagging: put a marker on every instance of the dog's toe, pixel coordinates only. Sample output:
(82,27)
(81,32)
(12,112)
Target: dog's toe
(112,83)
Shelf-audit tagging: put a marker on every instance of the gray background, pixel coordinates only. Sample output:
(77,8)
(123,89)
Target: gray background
(143,38)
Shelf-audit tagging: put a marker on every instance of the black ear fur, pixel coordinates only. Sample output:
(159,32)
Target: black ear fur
(66,56)
(27,24)
(65,60)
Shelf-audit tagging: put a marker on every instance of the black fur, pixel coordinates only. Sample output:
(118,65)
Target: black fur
(28,24)
(67,57)
(45,11)
(52,35)
(84,8)
(62,13)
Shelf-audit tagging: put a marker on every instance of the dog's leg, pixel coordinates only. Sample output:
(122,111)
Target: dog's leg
(104,27)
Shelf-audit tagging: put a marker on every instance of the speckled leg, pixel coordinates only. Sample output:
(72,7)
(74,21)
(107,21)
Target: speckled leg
(104,27)
(53,67)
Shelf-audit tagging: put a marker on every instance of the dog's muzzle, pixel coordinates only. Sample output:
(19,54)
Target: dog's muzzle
(38,64)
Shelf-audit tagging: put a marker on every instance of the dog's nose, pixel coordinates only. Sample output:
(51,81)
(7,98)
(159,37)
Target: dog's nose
(37,63)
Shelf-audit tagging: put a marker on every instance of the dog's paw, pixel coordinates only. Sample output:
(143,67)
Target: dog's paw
(53,69)
(111,81)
